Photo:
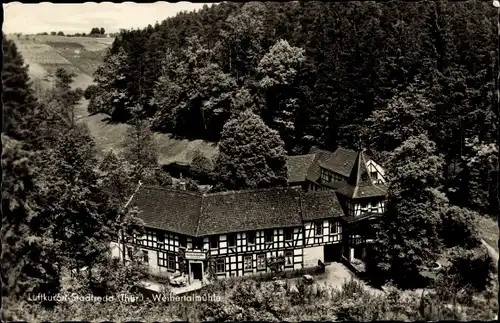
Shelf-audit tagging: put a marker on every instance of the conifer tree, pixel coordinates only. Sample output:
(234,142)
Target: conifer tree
(19,102)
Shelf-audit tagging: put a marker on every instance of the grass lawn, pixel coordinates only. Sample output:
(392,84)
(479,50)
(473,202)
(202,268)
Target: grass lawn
(112,135)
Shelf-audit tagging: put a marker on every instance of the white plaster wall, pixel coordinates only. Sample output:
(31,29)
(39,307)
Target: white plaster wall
(312,255)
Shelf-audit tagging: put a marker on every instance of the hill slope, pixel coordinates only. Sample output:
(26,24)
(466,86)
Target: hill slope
(82,55)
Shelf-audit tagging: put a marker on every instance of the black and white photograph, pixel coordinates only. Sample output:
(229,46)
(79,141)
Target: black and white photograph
(250,161)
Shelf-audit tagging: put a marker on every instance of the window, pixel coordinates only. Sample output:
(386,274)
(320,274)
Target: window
(149,239)
(231,240)
(160,237)
(251,237)
(214,242)
(289,258)
(288,234)
(318,226)
(247,263)
(198,243)
(145,256)
(261,261)
(334,227)
(364,177)
(374,175)
(166,260)
(269,235)
(171,261)
(220,265)
(364,204)
(182,241)
(129,252)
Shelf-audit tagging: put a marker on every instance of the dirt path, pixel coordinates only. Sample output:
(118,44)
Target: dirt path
(493,253)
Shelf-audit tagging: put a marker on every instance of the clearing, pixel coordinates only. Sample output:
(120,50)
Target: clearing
(82,55)
(488,230)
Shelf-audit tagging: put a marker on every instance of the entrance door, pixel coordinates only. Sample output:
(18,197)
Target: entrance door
(332,252)
(358,252)
(197,271)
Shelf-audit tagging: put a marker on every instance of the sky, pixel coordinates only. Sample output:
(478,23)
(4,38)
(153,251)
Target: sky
(77,18)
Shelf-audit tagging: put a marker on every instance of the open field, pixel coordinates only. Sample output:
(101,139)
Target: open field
(112,135)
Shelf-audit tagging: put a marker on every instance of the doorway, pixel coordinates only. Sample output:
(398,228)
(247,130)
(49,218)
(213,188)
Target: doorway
(359,252)
(332,252)
(196,269)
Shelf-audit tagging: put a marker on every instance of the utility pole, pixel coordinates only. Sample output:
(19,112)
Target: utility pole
(121,234)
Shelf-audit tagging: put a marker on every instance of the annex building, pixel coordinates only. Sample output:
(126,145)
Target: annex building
(325,213)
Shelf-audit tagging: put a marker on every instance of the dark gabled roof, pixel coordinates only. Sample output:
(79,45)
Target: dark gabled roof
(298,166)
(341,161)
(228,212)
(195,214)
(167,209)
(359,175)
(356,192)
(360,183)
(320,205)
(314,172)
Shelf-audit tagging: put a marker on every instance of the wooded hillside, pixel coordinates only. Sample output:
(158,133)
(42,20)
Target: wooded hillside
(324,74)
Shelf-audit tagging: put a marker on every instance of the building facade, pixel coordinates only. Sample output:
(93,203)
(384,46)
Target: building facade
(236,233)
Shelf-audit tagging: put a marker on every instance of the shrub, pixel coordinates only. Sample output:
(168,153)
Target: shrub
(458,228)
(78,93)
(470,270)
(90,91)
(112,277)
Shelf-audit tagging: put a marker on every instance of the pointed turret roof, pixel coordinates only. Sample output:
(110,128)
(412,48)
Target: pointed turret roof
(360,184)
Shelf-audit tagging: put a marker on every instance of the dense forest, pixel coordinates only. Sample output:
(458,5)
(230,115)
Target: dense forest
(326,74)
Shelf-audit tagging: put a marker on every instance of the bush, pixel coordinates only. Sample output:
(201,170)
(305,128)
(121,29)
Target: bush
(78,93)
(113,277)
(458,228)
(470,270)
(90,91)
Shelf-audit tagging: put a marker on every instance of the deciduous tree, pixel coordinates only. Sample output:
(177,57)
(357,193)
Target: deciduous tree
(407,236)
(251,155)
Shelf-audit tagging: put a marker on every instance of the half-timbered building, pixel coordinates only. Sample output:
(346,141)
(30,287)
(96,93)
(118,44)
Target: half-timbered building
(359,184)
(329,217)
(238,231)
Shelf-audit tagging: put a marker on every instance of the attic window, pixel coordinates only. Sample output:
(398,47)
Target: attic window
(231,240)
(269,235)
(160,236)
(251,237)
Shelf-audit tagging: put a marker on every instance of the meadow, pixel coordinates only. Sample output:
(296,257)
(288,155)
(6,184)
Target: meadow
(82,55)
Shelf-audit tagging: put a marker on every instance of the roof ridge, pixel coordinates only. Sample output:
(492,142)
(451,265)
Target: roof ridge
(175,190)
(198,220)
(308,154)
(255,190)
